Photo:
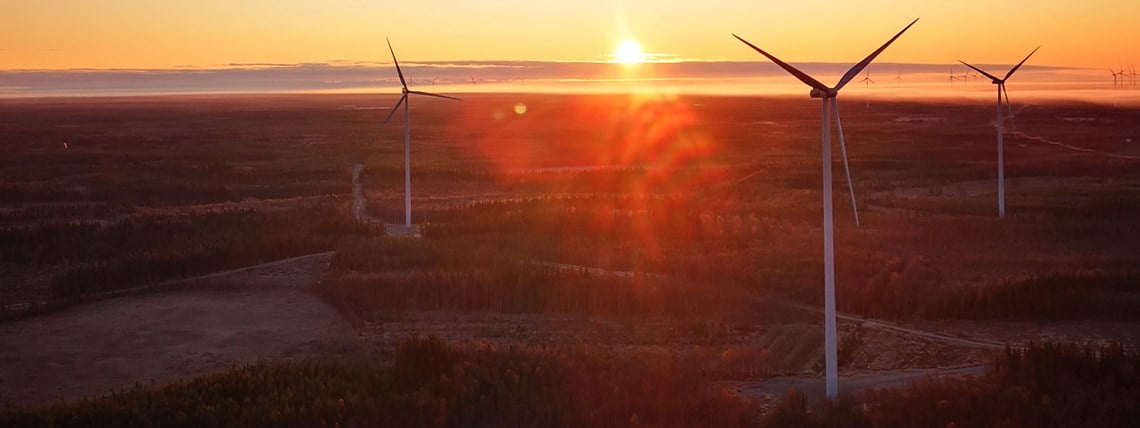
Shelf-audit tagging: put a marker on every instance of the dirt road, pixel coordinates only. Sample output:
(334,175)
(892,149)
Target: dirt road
(886,325)
(359,204)
(813,386)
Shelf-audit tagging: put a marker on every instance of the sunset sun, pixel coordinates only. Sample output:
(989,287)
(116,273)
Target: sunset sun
(629,52)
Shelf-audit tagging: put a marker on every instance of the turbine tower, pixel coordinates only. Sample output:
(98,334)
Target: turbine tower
(828,103)
(405,92)
(1000,82)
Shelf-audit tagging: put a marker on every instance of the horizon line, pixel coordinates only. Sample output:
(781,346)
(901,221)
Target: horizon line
(340,63)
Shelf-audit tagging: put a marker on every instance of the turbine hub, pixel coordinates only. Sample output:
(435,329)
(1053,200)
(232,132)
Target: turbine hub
(817,93)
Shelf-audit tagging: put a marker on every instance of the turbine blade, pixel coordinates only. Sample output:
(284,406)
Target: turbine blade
(854,71)
(794,71)
(394,110)
(1023,62)
(846,168)
(433,95)
(992,77)
(400,73)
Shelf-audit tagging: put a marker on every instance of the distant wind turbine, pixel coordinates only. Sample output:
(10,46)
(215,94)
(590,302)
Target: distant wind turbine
(827,96)
(405,92)
(1117,77)
(867,79)
(867,82)
(1000,82)
(965,77)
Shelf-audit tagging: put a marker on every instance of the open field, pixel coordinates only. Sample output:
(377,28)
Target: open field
(669,230)
(207,325)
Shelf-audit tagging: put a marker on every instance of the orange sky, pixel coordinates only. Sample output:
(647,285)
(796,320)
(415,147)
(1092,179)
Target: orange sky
(56,34)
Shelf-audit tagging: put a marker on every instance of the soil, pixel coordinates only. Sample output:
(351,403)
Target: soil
(222,320)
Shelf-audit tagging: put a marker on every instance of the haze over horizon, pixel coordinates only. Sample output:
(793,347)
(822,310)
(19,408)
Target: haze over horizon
(74,47)
(907,81)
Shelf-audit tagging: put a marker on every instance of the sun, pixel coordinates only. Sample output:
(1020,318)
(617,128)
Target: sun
(629,52)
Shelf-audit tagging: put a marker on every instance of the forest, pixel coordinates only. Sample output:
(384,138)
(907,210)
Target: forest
(681,239)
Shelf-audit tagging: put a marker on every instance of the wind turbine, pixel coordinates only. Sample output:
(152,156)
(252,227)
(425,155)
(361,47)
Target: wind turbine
(1116,77)
(1000,82)
(867,79)
(828,103)
(867,82)
(965,77)
(405,92)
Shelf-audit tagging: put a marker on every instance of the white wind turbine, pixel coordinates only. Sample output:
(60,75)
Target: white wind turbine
(1000,82)
(827,96)
(407,134)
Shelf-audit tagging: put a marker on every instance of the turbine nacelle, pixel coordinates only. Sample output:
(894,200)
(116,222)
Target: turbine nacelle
(819,93)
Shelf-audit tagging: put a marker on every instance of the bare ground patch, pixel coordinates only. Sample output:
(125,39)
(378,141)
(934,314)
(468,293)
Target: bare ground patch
(220,321)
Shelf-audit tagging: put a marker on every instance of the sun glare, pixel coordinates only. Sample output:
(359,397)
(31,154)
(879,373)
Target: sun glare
(629,52)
